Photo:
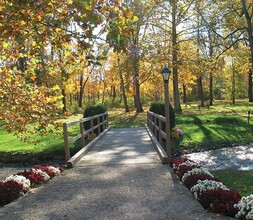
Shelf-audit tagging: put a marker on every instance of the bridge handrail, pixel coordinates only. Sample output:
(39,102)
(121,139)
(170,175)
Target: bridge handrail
(83,134)
(154,123)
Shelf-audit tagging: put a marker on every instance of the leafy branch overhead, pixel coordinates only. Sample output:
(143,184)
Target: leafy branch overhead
(43,43)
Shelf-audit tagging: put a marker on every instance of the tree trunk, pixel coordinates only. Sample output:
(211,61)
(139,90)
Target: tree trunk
(82,85)
(177,105)
(250,36)
(80,103)
(250,86)
(70,99)
(233,83)
(211,51)
(137,98)
(103,95)
(211,89)
(123,91)
(113,92)
(63,92)
(184,94)
(200,91)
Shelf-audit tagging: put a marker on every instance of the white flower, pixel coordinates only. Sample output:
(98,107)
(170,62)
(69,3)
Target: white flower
(196,171)
(245,207)
(45,176)
(188,163)
(21,180)
(205,185)
(55,170)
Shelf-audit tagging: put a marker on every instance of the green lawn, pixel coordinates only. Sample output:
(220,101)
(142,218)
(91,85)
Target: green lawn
(203,132)
(120,119)
(238,180)
(48,147)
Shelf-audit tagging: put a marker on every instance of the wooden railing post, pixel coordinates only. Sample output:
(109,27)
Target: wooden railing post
(157,130)
(152,120)
(160,128)
(103,122)
(148,119)
(106,119)
(91,125)
(66,141)
(99,127)
(82,136)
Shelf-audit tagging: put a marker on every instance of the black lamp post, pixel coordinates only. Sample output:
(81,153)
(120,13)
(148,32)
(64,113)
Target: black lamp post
(166,74)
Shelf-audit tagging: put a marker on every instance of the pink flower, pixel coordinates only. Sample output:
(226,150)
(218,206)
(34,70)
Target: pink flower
(179,132)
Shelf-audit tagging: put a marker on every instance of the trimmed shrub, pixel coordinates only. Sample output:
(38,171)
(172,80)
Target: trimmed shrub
(91,111)
(159,108)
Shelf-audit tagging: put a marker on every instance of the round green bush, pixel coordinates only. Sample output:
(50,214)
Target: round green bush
(159,108)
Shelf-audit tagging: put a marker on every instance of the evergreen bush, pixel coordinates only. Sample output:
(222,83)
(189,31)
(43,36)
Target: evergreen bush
(92,111)
(159,108)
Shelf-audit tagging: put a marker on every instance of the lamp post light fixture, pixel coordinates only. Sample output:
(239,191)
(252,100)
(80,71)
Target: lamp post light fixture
(166,74)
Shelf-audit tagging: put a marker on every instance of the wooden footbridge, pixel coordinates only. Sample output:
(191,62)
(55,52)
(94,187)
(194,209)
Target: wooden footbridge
(118,145)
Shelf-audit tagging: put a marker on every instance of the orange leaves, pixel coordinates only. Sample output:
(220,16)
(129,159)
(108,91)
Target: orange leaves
(26,104)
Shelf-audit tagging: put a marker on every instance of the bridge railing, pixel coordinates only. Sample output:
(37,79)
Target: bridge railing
(100,126)
(156,129)
(156,124)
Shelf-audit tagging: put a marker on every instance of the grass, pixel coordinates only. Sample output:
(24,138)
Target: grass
(222,125)
(203,132)
(49,147)
(238,180)
(120,119)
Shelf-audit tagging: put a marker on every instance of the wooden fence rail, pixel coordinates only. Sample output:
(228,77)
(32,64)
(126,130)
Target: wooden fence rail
(101,126)
(156,129)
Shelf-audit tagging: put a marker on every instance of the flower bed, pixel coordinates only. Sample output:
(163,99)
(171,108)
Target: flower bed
(212,194)
(18,184)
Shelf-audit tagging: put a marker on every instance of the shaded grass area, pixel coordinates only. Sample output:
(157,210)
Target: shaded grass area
(50,147)
(120,119)
(238,180)
(210,131)
(241,107)
(223,125)
(201,131)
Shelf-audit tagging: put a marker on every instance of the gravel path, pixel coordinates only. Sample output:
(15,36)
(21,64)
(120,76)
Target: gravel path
(10,169)
(237,158)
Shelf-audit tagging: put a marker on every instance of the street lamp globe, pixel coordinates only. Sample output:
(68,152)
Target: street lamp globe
(166,73)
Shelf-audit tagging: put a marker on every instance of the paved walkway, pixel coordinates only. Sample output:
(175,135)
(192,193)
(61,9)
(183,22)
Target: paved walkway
(121,178)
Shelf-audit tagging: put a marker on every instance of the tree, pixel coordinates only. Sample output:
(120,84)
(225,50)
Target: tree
(26,27)
(237,28)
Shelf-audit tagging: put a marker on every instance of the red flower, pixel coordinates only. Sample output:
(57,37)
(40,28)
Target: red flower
(182,169)
(48,169)
(178,161)
(220,201)
(45,169)
(10,191)
(35,178)
(192,180)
